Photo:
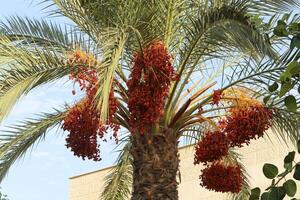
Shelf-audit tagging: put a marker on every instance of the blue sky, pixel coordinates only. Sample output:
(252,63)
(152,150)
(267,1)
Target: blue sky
(43,173)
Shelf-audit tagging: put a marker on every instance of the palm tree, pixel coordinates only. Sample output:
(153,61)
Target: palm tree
(213,44)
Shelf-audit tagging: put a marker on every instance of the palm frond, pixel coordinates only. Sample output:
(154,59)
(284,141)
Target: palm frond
(73,10)
(286,125)
(259,76)
(28,32)
(236,158)
(175,11)
(109,38)
(274,6)
(192,134)
(256,77)
(162,19)
(118,182)
(225,29)
(104,13)
(112,53)
(39,32)
(228,26)
(24,69)
(91,15)
(16,141)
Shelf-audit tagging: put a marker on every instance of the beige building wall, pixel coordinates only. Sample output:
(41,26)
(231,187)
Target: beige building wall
(88,186)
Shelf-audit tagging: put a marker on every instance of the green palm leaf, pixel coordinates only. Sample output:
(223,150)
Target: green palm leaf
(225,29)
(21,137)
(24,69)
(118,181)
(43,33)
(274,6)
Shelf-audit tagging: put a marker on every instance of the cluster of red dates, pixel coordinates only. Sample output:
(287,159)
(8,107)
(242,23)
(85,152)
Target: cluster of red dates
(235,130)
(148,86)
(83,119)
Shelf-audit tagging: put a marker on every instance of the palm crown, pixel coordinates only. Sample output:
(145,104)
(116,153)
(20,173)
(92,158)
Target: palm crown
(215,60)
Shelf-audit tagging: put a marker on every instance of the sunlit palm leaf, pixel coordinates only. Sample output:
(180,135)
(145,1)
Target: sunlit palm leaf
(244,194)
(112,54)
(43,33)
(286,125)
(75,12)
(273,6)
(118,182)
(19,138)
(225,29)
(25,69)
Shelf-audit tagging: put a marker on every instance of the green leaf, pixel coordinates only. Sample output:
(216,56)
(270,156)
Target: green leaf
(266,99)
(294,28)
(293,68)
(270,171)
(285,87)
(255,194)
(285,77)
(276,193)
(288,166)
(291,103)
(281,23)
(290,157)
(257,20)
(297,173)
(290,187)
(273,87)
(280,29)
(265,196)
(295,42)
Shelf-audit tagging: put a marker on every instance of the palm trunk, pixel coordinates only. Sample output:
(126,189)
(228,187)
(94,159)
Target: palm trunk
(155,166)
